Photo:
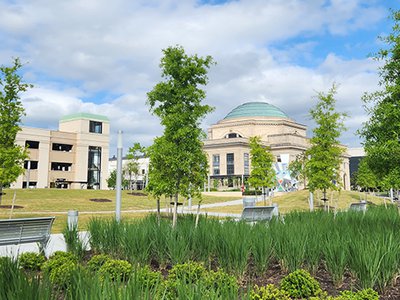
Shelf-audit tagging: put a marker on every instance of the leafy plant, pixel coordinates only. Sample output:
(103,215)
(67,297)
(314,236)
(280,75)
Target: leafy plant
(300,284)
(31,261)
(115,269)
(269,292)
(97,261)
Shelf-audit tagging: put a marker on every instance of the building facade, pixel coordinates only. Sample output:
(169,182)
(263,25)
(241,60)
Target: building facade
(75,156)
(227,145)
(139,180)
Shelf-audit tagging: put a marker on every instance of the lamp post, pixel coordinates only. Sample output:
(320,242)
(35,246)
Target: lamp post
(119,177)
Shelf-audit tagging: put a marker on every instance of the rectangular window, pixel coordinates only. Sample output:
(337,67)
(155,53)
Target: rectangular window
(94,167)
(60,166)
(216,164)
(32,144)
(32,184)
(31,165)
(95,127)
(246,164)
(230,164)
(61,147)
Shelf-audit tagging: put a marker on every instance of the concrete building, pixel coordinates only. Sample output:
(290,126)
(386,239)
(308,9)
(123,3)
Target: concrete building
(75,156)
(139,180)
(227,145)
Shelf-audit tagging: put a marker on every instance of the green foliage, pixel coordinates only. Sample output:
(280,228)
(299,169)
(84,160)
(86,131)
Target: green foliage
(366,178)
(73,242)
(323,167)
(269,292)
(220,280)
(381,131)
(131,168)
(190,272)
(31,261)
(12,156)
(262,172)
(97,261)
(57,259)
(116,269)
(177,160)
(62,274)
(367,294)
(148,278)
(300,284)
(112,180)
(297,168)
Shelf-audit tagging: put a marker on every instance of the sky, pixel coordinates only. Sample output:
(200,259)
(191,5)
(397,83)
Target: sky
(102,57)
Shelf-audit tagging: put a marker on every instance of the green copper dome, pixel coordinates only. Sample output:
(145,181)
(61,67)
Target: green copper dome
(256,109)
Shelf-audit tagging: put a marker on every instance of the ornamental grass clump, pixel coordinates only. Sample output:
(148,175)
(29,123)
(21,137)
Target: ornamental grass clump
(261,247)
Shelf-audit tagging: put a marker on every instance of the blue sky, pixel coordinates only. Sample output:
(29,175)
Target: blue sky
(102,57)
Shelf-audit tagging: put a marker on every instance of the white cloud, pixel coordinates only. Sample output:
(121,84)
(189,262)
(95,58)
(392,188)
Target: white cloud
(79,48)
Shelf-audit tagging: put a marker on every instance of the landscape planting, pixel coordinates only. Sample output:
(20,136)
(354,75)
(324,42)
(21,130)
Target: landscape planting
(309,255)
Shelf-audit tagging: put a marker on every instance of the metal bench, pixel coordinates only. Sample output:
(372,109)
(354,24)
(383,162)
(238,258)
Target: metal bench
(359,206)
(259,213)
(25,230)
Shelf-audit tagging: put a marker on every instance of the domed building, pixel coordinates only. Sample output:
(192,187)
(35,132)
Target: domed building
(228,148)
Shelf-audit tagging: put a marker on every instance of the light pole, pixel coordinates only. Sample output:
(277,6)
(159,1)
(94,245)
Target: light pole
(119,177)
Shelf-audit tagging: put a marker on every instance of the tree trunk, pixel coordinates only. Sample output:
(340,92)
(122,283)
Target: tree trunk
(1,193)
(175,212)
(158,211)
(263,195)
(324,197)
(197,215)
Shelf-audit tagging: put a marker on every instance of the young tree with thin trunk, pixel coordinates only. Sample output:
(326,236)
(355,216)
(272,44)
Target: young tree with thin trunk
(262,173)
(297,168)
(325,153)
(12,156)
(178,154)
(132,166)
(381,133)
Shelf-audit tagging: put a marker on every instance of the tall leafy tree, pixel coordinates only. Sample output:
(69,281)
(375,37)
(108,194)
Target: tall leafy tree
(177,160)
(381,133)
(132,165)
(262,173)
(325,153)
(365,178)
(12,156)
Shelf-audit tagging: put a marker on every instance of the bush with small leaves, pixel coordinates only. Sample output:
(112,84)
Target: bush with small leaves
(31,261)
(115,269)
(220,280)
(189,272)
(300,284)
(62,274)
(269,292)
(148,278)
(58,259)
(97,261)
(367,294)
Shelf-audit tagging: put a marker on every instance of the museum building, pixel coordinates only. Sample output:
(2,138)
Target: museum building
(227,145)
(75,156)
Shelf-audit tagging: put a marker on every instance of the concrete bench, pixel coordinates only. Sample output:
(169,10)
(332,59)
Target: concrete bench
(259,213)
(359,206)
(25,230)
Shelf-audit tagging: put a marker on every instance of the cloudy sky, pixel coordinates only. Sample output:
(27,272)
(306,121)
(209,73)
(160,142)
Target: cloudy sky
(103,56)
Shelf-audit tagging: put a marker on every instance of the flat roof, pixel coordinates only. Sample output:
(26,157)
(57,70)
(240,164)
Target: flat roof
(86,116)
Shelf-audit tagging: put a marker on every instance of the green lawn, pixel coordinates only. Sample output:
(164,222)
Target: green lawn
(299,201)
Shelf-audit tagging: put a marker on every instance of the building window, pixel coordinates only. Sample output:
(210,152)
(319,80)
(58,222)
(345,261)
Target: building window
(230,164)
(32,164)
(95,127)
(246,164)
(60,166)
(61,147)
(233,135)
(32,184)
(32,144)
(215,164)
(94,167)
(278,158)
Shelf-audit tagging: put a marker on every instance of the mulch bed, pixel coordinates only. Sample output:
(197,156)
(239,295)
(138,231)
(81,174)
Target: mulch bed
(9,206)
(100,200)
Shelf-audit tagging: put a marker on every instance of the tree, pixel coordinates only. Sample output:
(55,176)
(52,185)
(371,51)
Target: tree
(132,166)
(297,168)
(177,160)
(381,132)
(12,156)
(112,180)
(262,172)
(365,177)
(325,153)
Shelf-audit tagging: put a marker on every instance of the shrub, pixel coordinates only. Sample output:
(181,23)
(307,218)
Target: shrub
(58,259)
(148,278)
(31,261)
(189,272)
(300,284)
(62,274)
(220,280)
(97,261)
(269,292)
(367,294)
(115,269)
